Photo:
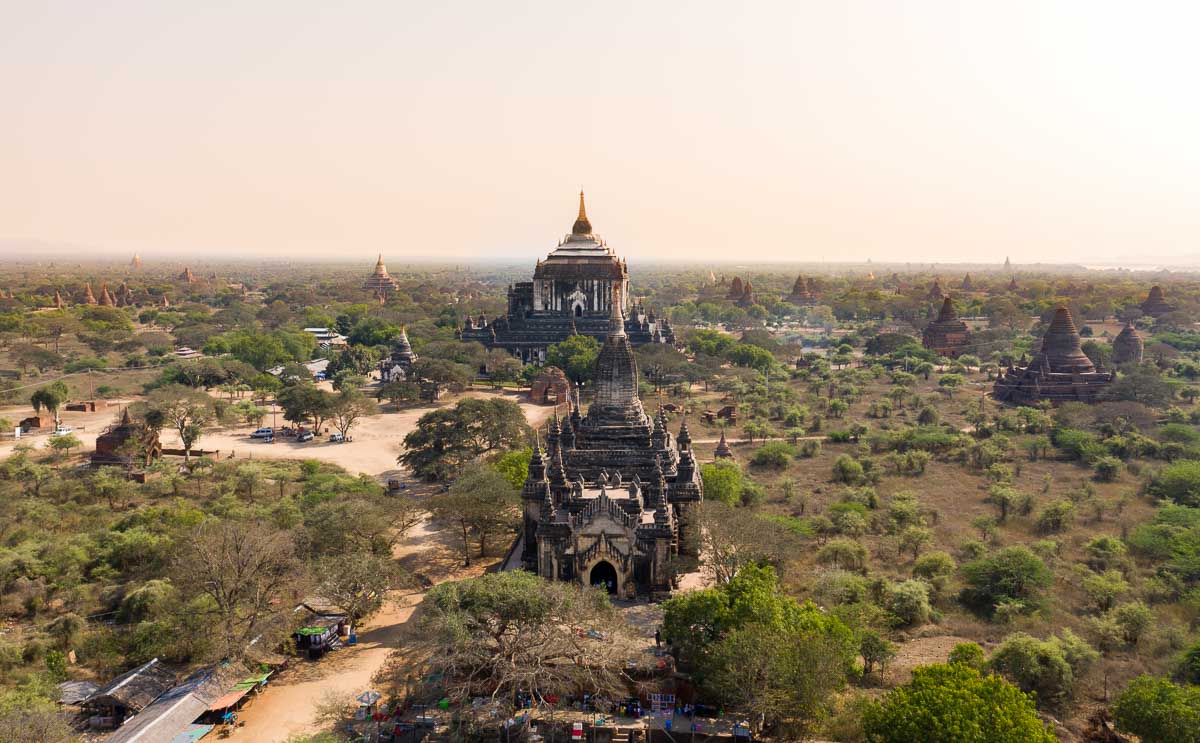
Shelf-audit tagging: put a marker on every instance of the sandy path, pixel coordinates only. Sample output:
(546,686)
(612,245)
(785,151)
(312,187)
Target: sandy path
(285,708)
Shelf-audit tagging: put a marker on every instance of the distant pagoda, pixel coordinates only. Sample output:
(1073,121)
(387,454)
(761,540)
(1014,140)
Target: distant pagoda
(187,277)
(379,282)
(967,286)
(947,335)
(935,291)
(723,451)
(136,263)
(88,297)
(1060,372)
(736,290)
(1156,303)
(803,293)
(1128,346)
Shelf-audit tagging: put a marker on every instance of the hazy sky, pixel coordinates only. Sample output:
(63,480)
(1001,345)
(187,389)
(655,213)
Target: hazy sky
(700,130)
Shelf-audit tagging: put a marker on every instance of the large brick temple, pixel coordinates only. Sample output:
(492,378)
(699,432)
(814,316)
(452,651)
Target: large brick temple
(571,293)
(1059,372)
(615,496)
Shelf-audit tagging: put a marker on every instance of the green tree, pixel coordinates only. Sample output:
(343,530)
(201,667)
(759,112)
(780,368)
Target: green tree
(955,703)
(1155,709)
(356,581)
(514,465)
(576,356)
(480,503)
(507,633)
(348,407)
(51,397)
(65,443)
(754,647)
(185,410)
(304,401)
(1178,482)
(724,481)
(1013,574)
(447,439)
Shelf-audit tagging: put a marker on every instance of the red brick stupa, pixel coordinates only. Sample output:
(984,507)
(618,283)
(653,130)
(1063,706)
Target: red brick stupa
(1156,304)
(947,335)
(1060,372)
(803,294)
(1128,346)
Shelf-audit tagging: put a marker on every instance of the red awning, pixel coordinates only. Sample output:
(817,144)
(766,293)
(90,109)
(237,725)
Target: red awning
(228,700)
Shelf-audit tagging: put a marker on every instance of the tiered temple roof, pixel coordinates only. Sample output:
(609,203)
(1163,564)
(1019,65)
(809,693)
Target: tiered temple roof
(379,282)
(803,292)
(1059,372)
(947,335)
(1156,303)
(617,497)
(571,291)
(1128,346)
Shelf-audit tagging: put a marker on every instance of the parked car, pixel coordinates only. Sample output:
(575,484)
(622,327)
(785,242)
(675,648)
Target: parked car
(336,438)
(62,431)
(306,436)
(263,433)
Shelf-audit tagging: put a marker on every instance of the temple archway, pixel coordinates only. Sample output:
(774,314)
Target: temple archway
(578,310)
(604,575)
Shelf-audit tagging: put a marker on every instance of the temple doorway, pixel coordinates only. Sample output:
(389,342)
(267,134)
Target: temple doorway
(604,575)
(578,310)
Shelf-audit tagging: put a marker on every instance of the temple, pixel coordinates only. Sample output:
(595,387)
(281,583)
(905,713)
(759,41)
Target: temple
(947,335)
(571,293)
(398,365)
(1060,372)
(379,282)
(1156,304)
(1128,346)
(803,293)
(615,497)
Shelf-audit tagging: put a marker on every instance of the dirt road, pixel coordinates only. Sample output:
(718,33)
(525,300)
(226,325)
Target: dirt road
(285,708)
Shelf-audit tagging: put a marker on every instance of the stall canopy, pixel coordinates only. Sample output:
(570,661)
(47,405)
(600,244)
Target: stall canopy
(228,700)
(192,734)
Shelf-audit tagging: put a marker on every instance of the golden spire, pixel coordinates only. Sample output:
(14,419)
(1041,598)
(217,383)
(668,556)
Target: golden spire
(582,226)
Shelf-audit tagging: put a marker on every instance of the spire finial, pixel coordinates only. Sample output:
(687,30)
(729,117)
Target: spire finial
(582,226)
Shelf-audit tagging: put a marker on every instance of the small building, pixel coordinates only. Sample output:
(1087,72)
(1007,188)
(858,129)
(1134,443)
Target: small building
(116,445)
(398,365)
(128,694)
(1128,346)
(551,387)
(947,335)
(327,337)
(321,629)
(723,451)
(173,715)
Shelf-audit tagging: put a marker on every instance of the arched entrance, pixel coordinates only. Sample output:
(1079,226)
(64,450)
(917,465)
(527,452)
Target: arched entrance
(604,575)
(578,310)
